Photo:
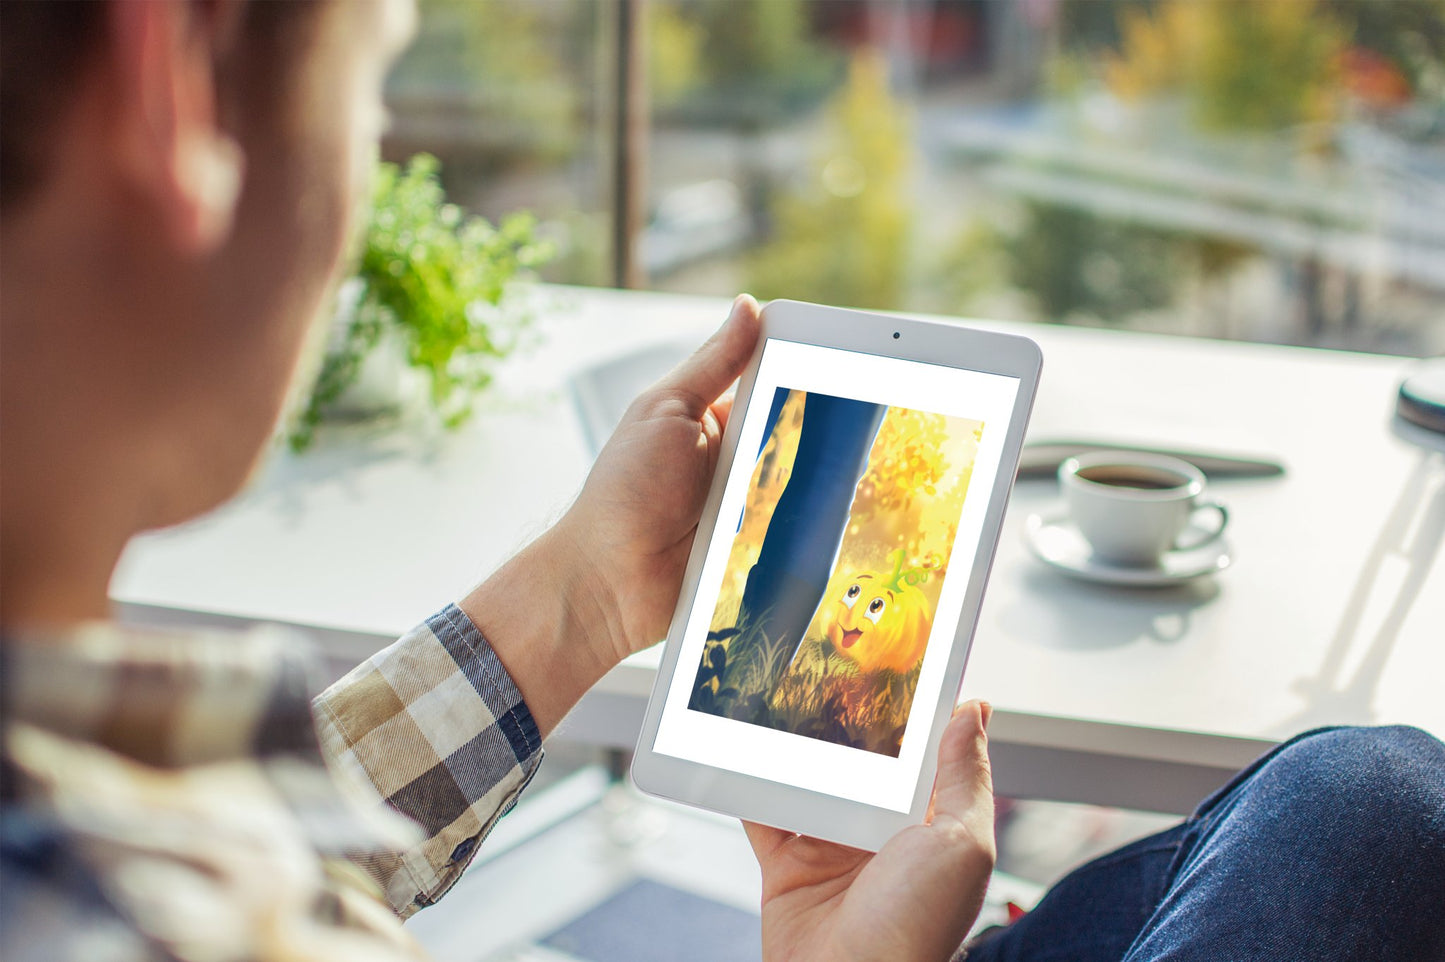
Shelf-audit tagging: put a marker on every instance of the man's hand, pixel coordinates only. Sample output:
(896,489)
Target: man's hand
(603,582)
(913,901)
(635,519)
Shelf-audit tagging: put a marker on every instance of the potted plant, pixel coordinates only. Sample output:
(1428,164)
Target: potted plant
(433,297)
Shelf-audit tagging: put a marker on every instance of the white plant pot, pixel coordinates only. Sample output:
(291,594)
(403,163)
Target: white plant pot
(385,383)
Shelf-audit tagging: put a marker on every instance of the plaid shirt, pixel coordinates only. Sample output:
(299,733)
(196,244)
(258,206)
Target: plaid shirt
(183,796)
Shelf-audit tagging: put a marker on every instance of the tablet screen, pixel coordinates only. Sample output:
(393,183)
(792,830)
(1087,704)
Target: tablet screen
(816,645)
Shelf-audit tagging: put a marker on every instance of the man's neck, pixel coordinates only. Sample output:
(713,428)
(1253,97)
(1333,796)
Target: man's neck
(71,488)
(58,576)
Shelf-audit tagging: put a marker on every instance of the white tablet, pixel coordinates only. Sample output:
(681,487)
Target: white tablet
(835,581)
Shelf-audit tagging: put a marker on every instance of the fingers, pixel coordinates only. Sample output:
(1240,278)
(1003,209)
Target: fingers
(714,422)
(704,376)
(722,408)
(964,787)
(765,839)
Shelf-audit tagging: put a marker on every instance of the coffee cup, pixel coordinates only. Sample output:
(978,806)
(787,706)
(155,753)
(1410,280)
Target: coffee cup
(1133,507)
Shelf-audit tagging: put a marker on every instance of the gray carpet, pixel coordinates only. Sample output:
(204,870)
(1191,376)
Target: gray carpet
(651,922)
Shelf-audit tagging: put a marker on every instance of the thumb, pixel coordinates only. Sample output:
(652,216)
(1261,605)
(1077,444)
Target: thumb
(704,376)
(964,786)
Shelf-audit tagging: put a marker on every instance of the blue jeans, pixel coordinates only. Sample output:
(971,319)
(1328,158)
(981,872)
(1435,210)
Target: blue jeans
(801,544)
(1332,846)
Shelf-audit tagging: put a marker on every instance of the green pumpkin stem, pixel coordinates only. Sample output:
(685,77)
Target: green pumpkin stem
(899,578)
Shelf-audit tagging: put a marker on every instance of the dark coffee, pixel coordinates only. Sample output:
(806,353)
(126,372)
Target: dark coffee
(1133,476)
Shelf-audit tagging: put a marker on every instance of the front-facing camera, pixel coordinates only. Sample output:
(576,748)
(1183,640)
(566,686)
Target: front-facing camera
(896,335)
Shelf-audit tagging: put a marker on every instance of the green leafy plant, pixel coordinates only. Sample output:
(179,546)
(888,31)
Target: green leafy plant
(439,278)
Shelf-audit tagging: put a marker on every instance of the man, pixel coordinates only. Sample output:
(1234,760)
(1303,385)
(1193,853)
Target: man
(177,179)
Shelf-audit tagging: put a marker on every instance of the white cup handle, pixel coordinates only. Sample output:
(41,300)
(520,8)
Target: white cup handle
(1211,536)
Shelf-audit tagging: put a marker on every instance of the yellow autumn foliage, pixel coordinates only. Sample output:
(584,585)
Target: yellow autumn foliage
(1243,64)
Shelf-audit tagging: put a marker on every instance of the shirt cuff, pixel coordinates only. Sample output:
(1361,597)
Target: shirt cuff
(435,726)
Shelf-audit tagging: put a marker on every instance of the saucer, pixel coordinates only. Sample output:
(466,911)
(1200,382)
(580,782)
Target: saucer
(1057,541)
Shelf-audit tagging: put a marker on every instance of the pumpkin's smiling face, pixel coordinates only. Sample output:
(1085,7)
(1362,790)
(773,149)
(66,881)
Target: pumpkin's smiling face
(878,625)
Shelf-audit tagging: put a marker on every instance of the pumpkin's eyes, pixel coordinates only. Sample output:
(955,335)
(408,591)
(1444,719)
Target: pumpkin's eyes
(851,595)
(875,610)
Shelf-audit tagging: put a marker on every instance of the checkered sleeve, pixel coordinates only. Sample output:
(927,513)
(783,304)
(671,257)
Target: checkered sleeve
(435,726)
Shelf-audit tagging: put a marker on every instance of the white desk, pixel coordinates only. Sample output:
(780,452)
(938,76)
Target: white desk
(1334,611)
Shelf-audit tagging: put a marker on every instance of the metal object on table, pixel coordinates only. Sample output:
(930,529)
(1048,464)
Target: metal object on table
(1041,459)
(1421,400)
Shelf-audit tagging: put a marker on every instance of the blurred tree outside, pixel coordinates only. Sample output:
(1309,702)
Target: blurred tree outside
(1242,64)
(745,62)
(1406,37)
(1262,75)
(515,70)
(506,95)
(841,235)
(674,53)
(972,268)
(1268,66)
(1075,263)
(1071,160)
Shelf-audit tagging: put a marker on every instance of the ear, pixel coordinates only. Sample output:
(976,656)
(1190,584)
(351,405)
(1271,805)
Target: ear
(170,143)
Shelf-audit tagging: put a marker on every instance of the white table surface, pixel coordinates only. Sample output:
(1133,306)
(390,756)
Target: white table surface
(1334,611)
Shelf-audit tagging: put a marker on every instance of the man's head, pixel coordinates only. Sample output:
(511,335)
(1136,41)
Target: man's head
(178,181)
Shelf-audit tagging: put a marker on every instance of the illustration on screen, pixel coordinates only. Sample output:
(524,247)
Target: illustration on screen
(836,568)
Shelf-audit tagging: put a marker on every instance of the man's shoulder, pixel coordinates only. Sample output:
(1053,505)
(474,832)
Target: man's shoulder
(210,861)
(167,788)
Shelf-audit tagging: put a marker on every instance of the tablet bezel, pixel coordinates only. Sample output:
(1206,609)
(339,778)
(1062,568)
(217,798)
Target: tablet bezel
(786,806)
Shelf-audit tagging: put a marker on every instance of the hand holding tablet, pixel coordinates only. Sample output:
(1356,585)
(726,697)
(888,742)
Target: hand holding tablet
(835,579)
(915,899)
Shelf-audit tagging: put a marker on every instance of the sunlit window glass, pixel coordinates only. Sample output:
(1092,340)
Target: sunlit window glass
(1243,169)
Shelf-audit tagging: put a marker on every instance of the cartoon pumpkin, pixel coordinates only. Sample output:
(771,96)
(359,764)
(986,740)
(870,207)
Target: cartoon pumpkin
(880,620)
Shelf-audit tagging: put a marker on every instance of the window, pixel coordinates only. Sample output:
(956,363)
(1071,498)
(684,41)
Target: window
(513,97)
(1267,171)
